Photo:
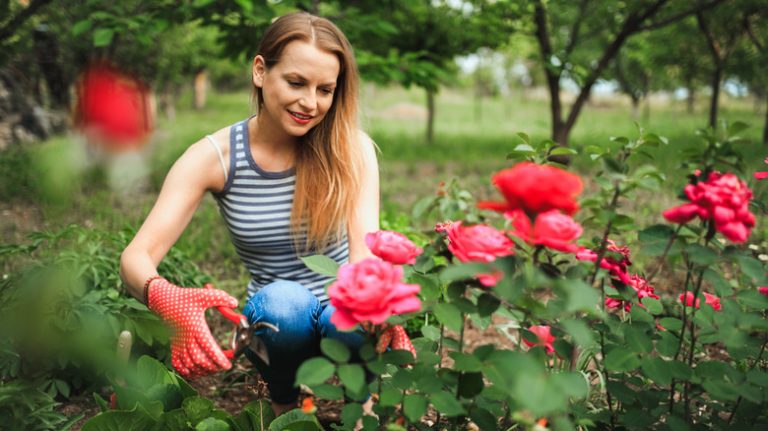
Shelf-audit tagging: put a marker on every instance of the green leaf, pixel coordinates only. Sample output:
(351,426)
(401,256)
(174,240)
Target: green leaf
(449,315)
(581,296)
(487,304)
(470,385)
(563,151)
(212,424)
(328,392)
(447,404)
(431,332)
(621,359)
(464,271)
(197,408)
(580,331)
(700,255)
(390,396)
(136,419)
(352,376)
(465,362)
(484,419)
(321,264)
(81,27)
(637,340)
(430,285)
(736,127)
(256,416)
(350,413)
(654,239)
(653,305)
(295,420)
(657,370)
(335,349)
(102,37)
(671,323)
(414,407)
(314,371)
(667,344)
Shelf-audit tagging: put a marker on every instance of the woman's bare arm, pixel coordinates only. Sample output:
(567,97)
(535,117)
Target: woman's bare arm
(367,215)
(195,172)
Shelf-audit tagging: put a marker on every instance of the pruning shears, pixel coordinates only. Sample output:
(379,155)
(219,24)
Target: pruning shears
(244,336)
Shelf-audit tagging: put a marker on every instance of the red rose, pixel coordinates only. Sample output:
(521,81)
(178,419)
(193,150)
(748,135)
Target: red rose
(370,291)
(479,243)
(722,200)
(393,247)
(551,229)
(545,337)
(536,188)
(713,301)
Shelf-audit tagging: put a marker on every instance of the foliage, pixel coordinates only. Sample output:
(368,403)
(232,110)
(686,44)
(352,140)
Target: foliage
(63,306)
(152,397)
(24,407)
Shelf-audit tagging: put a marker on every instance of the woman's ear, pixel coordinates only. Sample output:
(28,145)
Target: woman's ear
(259,70)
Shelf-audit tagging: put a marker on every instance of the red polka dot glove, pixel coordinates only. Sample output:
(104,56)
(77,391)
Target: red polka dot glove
(194,351)
(395,337)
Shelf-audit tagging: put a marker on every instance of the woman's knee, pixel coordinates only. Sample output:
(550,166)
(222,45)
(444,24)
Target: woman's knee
(290,307)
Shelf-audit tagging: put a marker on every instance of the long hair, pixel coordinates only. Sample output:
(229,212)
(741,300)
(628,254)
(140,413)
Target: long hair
(329,158)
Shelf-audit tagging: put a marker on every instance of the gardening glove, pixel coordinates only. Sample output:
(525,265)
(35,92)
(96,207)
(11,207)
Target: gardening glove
(395,337)
(194,351)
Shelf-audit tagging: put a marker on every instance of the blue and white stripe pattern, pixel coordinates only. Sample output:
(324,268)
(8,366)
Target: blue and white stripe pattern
(256,206)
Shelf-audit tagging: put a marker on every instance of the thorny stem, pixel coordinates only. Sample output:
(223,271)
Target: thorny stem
(604,241)
(757,360)
(602,351)
(664,255)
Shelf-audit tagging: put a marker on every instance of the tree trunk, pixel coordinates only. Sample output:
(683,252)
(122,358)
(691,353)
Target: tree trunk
(430,115)
(713,103)
(690,99)
(635,107)
(200,89)
(765,127)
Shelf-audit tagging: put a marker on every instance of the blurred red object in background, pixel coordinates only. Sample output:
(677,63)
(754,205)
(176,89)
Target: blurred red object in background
(113,109)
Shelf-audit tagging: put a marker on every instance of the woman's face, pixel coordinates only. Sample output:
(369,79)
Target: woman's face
(298,90)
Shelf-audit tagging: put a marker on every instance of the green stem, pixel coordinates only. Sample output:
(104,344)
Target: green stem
(606,233)
(602,351)
(757,361)
(664,255)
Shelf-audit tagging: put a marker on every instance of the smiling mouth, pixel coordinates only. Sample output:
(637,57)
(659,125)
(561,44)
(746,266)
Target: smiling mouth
(300,116)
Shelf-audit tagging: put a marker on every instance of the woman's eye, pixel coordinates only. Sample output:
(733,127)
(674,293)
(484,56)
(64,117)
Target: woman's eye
(326,90)
(294,84)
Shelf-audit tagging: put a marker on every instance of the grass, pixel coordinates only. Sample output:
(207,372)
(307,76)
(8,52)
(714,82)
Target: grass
(64,183)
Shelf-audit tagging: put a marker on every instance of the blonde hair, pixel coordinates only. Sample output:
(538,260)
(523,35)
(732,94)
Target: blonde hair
(329,158)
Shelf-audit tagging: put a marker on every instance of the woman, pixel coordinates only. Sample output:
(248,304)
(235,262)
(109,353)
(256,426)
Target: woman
(295,180)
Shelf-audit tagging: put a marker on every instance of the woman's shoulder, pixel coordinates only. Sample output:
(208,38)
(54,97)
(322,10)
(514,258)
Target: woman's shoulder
(201,158)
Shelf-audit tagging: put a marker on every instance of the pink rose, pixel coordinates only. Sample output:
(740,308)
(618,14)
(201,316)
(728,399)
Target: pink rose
(641,288)
(616,266)
(723,200)
(478,243)
(545,337)
(536,188)
(763,290)
(687,299)
(552,229)
(762,175)
(713,301)
(393,247)
(370,291)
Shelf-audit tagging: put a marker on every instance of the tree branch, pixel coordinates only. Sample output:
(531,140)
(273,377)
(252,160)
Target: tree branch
(752,36)
(714,47)
(574,36)
(10,27)
(681,15)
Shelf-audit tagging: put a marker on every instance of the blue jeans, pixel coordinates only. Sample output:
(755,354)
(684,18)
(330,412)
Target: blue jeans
(302,321)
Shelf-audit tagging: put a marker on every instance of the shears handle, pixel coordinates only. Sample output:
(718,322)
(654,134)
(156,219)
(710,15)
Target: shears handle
(233,316)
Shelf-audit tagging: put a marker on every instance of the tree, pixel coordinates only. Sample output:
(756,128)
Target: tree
(750,60)
(580,39)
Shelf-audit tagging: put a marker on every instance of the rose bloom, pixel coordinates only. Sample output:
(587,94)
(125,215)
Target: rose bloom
(723,200)
(762,175)
(393,247)
(709,299)
(543,332)
(641,287)
(763,290)
(617,267)
(536,188)
(479,243)
(551,229)
(370,291)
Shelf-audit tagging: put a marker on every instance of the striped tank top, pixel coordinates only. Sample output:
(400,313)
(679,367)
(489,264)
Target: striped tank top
(256,206)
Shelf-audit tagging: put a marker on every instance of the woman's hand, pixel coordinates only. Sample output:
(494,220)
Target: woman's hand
(194,351)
